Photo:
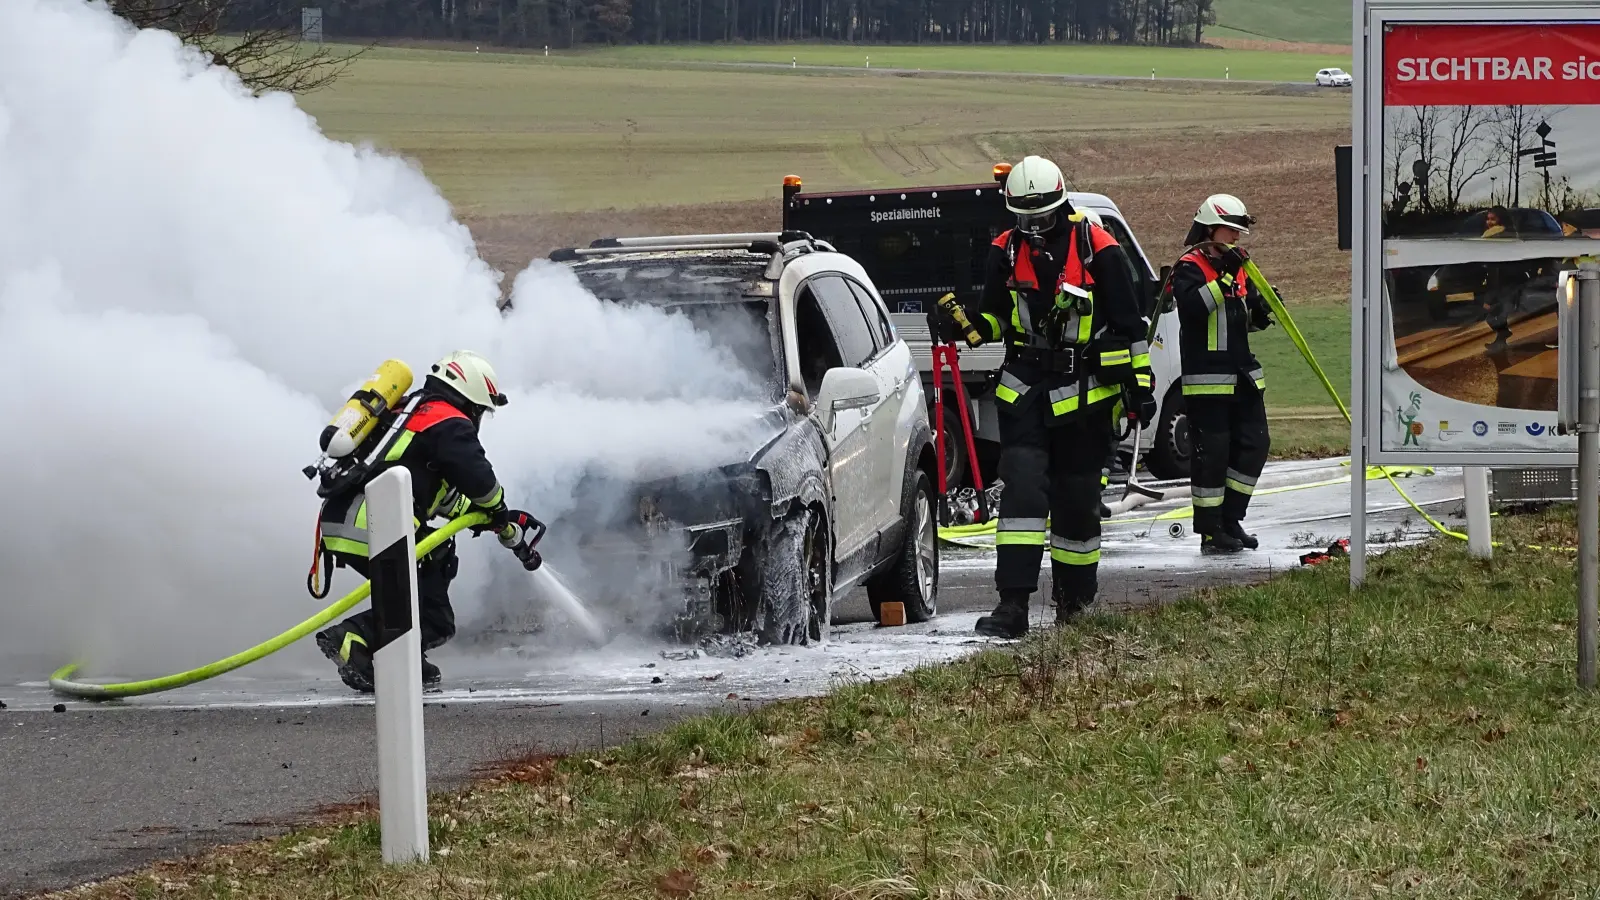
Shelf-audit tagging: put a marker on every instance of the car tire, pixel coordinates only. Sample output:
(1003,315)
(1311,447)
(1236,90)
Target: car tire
(914,578)
(1169,455)
(796,605)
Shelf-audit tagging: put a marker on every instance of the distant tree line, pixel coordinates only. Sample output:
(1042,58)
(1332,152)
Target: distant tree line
(567,23)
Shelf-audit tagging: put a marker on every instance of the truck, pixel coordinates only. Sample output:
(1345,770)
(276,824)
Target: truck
(918,244)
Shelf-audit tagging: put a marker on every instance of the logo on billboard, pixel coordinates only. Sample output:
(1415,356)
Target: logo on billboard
(1480,428)
(1445,431)
(901,215)
(1535,429)
(1408,421)
(1506,427)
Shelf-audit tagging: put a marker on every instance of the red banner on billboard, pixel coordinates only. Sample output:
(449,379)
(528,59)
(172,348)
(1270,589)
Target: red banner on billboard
(1491,65)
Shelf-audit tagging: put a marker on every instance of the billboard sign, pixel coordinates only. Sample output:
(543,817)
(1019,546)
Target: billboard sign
(1479,188)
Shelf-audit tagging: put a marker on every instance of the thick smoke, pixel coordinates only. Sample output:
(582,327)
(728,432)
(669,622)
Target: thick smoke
(191,280)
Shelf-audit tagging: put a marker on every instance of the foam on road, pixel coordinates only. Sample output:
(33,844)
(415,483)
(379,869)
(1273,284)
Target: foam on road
(1145,560)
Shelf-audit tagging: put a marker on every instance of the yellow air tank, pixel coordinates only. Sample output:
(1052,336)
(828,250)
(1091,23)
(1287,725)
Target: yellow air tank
(357,417)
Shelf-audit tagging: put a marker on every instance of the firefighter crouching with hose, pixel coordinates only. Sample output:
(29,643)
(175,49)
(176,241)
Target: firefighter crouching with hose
(1057,291)
(434,434)
(1223,383)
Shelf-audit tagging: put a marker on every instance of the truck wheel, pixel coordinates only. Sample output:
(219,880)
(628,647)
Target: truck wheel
(914,577)
(796,581)
(1169,456)
(955,448)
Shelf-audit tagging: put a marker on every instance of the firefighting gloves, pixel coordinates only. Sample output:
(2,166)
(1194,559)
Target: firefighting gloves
(1142,405)
(1233,258)
(518,535)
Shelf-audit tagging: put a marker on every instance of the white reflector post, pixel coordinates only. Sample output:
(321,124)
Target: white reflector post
(397,668)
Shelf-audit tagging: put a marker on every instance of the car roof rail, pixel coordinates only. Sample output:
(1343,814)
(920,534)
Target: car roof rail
(772,242)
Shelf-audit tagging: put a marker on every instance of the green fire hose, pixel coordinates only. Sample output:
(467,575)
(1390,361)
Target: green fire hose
(61,681)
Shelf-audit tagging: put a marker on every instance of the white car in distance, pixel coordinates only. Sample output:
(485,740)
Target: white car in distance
(1333,78)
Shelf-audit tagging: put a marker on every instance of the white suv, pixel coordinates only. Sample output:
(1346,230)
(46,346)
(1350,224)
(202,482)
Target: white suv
(839,493)
(1333,78)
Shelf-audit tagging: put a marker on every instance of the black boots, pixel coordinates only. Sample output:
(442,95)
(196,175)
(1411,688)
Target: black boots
(348,649)
(1069,606)
(1221,542)
(1009,619)
(1236,530)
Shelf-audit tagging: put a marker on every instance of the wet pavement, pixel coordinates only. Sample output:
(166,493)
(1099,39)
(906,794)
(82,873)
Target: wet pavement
(101,788)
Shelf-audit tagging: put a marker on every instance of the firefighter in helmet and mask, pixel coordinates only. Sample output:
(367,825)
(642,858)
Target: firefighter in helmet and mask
(436,438)
(1223,384)
(1059,295)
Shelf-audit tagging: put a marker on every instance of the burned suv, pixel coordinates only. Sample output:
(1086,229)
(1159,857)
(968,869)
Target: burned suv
(839,491)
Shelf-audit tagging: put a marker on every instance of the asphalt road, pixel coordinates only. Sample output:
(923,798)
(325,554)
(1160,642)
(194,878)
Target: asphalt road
(97,790)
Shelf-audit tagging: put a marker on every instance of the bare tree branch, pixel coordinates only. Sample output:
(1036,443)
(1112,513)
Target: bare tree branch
(266,53)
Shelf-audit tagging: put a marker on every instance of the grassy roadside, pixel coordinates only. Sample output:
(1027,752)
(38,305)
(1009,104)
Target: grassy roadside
(1421,737)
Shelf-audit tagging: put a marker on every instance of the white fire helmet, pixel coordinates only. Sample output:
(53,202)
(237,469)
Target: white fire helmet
(472,377)
(1035,190)
(1225,209)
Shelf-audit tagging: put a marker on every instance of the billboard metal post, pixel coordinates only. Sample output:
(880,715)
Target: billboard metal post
(1588,469)
(1359,243)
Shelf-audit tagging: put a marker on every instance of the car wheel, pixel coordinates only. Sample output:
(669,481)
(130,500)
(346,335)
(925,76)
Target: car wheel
(914,577)
(796,581)
(1169,456)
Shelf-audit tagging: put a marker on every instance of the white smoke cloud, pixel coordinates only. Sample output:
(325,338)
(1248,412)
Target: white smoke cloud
(191,280)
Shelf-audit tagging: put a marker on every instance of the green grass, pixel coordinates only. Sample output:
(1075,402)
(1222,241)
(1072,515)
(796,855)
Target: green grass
(1131,62)
(1421,737)
(509,133)
(1312,21)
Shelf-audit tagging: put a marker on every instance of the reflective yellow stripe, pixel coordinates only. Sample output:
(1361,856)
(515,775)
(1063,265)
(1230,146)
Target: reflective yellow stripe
(1021,538)
(1102,393)
(1189,390)
(1261,384)
(1206,497)
(1215,300)
(1073,558)
(1241,487)
(1063,407)
(350,638)
(994,326)
(1211,330)
(400,446)
(361,516)
(344,545)
(1005,394)
(1144,380)
(492,498)
(1116,357)
(1141,361)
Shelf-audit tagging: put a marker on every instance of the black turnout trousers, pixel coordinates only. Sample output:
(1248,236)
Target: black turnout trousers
(1051,469)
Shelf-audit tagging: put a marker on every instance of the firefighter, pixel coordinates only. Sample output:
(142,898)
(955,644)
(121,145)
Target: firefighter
(1223,384)
(450,477)
(1057,291)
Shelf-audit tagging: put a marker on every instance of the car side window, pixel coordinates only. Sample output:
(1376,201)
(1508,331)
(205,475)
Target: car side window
(814,339)
(877,319)
(850,330)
